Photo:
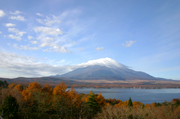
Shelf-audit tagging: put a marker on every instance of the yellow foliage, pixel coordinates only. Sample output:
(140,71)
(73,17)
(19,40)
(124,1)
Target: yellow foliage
(11,86)
(72,95)
(71,101)
(100,100)
(153,105)
(18,87)
(107,104)
(71,92)
(122,104)
(84,98)
(26,94)
(178,107)
(47,89)
(34,86)
(147,105)
(137,104)
(150,105)
(60,89)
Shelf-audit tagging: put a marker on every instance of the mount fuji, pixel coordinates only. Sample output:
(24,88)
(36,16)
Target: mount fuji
(105,69)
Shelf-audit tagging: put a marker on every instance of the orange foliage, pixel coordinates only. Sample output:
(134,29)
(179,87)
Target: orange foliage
(72,95)
(26,94)
(19,87)
(150,105)
(74,101)
(34,86)
(84,98)
(60,89)
(153,105)
(113,101)
(47,89)
(71,92)
(137,104)
(100,100)
(122,104)
(11,86)
(147,105)
(178,107)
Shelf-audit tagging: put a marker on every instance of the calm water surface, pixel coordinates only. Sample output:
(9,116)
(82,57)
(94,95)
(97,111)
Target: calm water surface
(146,96)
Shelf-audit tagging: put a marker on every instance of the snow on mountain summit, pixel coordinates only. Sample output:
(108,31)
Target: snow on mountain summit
(108,62)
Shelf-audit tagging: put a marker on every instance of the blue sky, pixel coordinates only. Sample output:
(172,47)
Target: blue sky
(47,37)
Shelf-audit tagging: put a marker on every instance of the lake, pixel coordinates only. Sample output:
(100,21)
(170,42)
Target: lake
(146,96)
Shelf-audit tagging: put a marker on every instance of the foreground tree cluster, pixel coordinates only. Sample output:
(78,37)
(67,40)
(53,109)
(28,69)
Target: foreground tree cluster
(44,102)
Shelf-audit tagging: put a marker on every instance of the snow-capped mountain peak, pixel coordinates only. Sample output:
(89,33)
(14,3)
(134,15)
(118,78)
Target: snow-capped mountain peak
(108,62)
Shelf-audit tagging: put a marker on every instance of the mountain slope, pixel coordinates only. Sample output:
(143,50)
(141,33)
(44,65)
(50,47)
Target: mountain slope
(93,72)
(105,68)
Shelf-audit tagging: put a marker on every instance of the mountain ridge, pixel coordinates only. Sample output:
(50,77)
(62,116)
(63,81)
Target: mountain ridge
(106,68)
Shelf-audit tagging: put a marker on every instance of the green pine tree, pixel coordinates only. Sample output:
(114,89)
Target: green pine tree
(177,103)
(130,102)
(92,103)
(10,107)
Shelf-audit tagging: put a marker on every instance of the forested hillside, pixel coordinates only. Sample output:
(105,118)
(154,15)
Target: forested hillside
(45,102)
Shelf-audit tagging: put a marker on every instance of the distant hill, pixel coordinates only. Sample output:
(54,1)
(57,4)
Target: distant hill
(106,69)
(42,80)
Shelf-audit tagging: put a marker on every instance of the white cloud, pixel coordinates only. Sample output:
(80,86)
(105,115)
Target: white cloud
(57,48)
(30,37)
(99,48)
(22,47)
(129,43)
(19,18)
(27,48)
(39,14)
(14,30)
(0,32)
(48,21)
(21,65)
(45,44)
(18,33)
(16,12)
(14,37)
(12,58)
(52,45)
(47,30)
(2,13)
(10,25)
(45,41)
(52,39)
(34,42)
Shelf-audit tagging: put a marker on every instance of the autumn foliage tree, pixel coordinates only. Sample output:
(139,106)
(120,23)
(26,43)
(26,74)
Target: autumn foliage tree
(35,101)
(100,100)
(60,89)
